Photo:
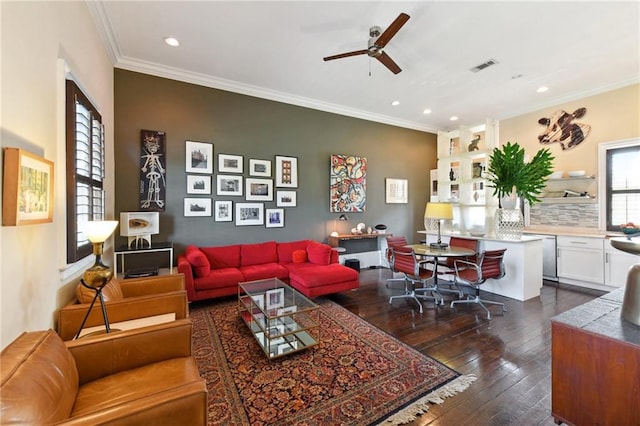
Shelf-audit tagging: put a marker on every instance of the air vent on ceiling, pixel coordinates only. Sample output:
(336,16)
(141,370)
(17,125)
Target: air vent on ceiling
(484,65)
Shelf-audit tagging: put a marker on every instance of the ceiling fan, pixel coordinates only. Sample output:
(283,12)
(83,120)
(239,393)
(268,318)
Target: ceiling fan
(377,42)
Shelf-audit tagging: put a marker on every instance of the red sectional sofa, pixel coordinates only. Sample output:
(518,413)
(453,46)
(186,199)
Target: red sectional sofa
(310,267)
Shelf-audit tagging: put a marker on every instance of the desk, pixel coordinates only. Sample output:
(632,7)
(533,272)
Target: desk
(155,247)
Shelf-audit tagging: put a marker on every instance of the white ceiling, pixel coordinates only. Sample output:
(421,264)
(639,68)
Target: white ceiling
(274,50)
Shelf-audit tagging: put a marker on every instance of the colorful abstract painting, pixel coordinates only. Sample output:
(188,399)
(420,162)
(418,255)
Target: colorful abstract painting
(348,183)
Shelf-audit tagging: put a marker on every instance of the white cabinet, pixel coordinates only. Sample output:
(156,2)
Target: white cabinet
(580,259)
(616,267)
(460,176)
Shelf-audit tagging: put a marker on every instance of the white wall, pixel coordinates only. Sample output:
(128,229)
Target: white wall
(38,39)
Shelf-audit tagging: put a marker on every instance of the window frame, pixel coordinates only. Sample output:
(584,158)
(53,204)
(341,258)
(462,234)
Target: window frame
(604,185)
(77,246)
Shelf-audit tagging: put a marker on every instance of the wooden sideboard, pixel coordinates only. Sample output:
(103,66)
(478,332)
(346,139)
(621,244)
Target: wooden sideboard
(595,365)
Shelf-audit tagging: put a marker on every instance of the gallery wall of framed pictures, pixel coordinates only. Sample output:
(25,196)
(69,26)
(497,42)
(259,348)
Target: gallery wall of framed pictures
(244,196)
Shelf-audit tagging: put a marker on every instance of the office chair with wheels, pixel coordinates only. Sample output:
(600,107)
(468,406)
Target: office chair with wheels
(404,260)
(446,265)
(399,241)
(469,274)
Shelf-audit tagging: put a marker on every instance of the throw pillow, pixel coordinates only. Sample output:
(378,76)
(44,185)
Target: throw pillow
(299,256)
(319,254)
(198,260)
(111,291)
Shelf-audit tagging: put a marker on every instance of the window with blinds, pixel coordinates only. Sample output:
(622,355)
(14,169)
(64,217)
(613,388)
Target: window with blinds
(623,187)
(85,170)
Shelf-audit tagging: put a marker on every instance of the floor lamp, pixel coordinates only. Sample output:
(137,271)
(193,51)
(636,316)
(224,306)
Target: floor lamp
(438,211)
(97,276)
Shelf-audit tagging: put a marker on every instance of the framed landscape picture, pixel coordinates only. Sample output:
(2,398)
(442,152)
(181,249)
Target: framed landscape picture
(259,189)
(249,214)
(259,168)
(27,192)
(229,185)
(230,163)
(286,198)
(198,184)
(199,157)
(197,206)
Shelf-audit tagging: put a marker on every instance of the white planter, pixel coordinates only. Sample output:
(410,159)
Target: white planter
(509,224)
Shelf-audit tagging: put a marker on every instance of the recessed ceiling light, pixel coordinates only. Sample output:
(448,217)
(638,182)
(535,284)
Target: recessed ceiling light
(171,41)
(426,111)
(454,118)
(542,89)
(395,103)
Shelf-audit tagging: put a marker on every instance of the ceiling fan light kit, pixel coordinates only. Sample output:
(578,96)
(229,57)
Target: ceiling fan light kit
(377,42)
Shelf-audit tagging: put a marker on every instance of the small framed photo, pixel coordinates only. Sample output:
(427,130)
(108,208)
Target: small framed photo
(199,157)
(230,163)
(286,172)
(223,211)
(275,218)
(229,185)
(275,331)
(259,189)
(275,299)
(249,214)
(397,191)
(259,168)
(286,198)
(197,206)
(198,184)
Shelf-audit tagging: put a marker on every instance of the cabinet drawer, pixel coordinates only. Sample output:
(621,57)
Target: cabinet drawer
(580,242)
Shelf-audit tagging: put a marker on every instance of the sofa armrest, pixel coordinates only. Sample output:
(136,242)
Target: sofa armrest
(107,354)
(70,317)
(132,287)
(185,268)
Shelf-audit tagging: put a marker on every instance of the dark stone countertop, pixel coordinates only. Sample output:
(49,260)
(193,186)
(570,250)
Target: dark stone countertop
(602,316)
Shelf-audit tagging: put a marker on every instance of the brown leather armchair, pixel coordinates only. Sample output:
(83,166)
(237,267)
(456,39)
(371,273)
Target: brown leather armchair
(126,300)
(141,376)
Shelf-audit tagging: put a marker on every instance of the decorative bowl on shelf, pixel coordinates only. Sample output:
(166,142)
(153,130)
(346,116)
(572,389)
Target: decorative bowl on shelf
(577,173)
(556,175)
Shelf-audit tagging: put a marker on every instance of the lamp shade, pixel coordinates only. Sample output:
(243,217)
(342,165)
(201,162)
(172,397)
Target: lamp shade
(438,211)
(97,231)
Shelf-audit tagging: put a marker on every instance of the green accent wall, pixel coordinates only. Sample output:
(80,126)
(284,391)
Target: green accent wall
(261,129)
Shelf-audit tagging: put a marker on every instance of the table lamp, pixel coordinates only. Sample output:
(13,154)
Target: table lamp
(341,218)
(97,276)
(438,211)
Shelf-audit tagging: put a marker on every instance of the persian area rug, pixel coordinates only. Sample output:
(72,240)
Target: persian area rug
(358,375)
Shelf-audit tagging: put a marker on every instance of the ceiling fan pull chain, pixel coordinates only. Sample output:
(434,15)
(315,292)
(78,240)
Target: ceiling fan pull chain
(369,66)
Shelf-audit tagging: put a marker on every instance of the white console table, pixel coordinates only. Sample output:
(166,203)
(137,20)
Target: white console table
(155,247)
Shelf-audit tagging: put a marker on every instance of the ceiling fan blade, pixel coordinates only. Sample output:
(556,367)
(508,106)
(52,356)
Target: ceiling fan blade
(388,62)
(346,55)
(395,26)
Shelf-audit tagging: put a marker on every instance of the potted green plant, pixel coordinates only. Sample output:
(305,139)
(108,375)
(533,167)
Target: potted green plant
(511,176)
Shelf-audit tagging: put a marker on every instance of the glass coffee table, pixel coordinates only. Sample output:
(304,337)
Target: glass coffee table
(281,319)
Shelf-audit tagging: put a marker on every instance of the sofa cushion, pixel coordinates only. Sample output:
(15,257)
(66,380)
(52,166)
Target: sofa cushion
(39,380)
(285,250)
(198,261)
(111,291)
(264,271)
(310,275)
(258,254)
(319,254)
(299,256)
(223,257)
(219,278)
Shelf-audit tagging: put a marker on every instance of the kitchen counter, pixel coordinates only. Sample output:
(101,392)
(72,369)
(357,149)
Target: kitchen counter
(573,231)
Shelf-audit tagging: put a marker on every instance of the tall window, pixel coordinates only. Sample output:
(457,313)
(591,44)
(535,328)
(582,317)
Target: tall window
(623,186)
(85,170)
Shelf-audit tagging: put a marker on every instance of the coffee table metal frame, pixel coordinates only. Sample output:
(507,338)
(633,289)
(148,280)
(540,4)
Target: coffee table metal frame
(281,319)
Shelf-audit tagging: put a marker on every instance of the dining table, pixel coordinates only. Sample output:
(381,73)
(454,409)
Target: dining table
(425,250)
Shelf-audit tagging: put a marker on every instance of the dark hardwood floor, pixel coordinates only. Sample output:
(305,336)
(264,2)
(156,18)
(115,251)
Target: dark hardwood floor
(510,354)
